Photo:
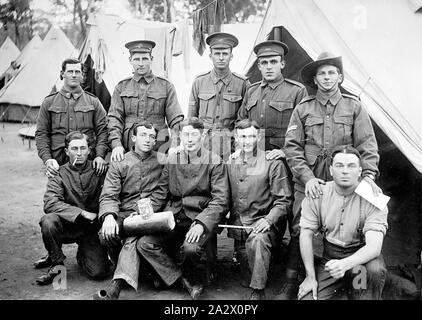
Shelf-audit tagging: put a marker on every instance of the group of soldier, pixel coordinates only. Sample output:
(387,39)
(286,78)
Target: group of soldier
(255,158)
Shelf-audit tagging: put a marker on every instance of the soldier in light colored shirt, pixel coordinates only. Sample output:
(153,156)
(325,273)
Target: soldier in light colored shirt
(353,230)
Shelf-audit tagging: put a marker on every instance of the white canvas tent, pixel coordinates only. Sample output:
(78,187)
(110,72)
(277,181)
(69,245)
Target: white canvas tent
(8,52)
(24,57)
(35,81)
(380,42)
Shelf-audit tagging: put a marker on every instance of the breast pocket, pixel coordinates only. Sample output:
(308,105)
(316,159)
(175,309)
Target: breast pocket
(313,129)
(130,103)
(251,109)
(231,104)
(278,116)
(343,129)
(205,104)
(58,116)
(156,103)
(85,116)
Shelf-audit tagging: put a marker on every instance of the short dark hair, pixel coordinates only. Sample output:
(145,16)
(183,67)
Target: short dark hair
(347,149)
(145,124)
(247,123)
(70,61)
(195,122)
(75,135)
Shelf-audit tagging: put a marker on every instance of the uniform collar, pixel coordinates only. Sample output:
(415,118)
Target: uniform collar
(191,160)
(148,77)
(272,84)
(258,155)
(141,155)
(323,97)
(74,93)
(226,78)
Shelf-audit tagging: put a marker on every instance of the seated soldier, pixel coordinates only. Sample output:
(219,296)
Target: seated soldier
(127,181)
(260,198)
(71,207)
(353,230)
(194,186)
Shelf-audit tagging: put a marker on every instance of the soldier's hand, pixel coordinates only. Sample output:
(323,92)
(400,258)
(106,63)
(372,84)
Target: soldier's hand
(336,268)
(52,168)
(375,189)
(261,225)
(194,233)
(99,165)
(89,215)
(176,149)
(313,188)
(275,154)
(308,285)
(235,154)
(118,154)
(110,228)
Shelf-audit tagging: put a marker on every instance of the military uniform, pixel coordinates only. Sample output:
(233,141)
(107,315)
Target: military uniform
(149,98)
(142,98)
(216,99)
(259,189)
(196,191)
(271,104)
(63,112)
(318,124)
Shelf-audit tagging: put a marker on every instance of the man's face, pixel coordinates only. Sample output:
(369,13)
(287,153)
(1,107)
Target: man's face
(145,139)
(327,77)
(346,170)
(141,63)
(247,139)
(271,67)
(72,76)
(221,58)
(78,149)
(191,139)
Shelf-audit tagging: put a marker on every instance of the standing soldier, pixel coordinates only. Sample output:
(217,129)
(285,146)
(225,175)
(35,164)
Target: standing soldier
(142,97)
(319,124)
(217,95)
(271,101)
(68,110)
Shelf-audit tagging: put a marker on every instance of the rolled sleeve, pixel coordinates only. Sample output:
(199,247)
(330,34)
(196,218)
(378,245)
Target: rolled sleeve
(310,216)
(376,221)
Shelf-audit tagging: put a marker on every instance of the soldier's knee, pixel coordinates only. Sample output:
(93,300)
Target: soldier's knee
(145,244)
(50,222)
(191,249)
(376,269)
(96,271)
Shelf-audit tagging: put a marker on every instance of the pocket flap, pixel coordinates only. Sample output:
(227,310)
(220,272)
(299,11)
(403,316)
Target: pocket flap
(344,119)
(206,96)
(232,97)
(129,93)
(281,105)
(57,109)
(84,108)
(311,121)
(156,95)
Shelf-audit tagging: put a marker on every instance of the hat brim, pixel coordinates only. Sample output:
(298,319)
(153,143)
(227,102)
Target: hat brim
(309,70)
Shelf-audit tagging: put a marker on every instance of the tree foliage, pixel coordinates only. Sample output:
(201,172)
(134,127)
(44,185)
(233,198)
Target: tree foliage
(16,20)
